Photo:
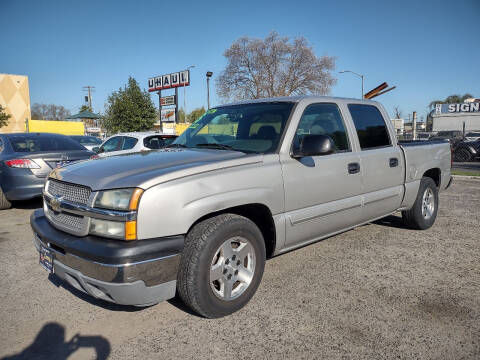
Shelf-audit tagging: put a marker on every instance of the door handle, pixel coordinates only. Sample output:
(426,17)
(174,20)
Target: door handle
(393,162)
(353,168)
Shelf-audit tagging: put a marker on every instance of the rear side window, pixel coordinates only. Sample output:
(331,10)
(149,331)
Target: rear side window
(34,143)
(371,128)
(129,142)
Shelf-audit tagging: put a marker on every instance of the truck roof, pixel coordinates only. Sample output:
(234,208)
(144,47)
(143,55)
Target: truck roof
(299,98)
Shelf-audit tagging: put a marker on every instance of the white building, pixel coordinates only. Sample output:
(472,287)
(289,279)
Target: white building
(449,117)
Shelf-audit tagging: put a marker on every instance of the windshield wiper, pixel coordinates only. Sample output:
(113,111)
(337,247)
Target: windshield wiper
(216,146)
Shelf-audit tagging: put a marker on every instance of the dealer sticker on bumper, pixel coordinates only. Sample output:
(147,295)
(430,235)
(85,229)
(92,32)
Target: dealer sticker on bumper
(46,258)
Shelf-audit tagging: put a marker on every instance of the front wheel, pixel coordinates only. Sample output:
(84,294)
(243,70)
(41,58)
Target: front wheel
(222,265)
(424,211)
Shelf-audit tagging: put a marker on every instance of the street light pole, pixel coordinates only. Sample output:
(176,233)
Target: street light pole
(209,75)
(185,95)
(359,75)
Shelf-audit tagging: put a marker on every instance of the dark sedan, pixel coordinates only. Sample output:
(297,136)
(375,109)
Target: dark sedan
(27,158)
(467,151)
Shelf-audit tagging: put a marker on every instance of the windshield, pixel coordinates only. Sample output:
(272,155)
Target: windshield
(34,143)
(250,128)
(87,140)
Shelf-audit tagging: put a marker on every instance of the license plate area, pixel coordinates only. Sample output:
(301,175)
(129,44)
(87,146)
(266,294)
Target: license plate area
(46,258)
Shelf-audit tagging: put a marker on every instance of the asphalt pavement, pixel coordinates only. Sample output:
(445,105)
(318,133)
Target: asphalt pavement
(377,292)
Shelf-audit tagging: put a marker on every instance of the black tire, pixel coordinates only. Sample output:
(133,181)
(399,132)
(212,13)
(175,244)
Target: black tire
(462,155)
(4,203)
(201,244)
(416,217)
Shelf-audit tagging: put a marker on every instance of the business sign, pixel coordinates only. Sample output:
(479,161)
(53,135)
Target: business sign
(168,115)
(167,100)
(169,81)
(457,108)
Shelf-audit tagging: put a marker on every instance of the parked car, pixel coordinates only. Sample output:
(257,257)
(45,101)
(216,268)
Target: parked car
(472,136)
(246,181)
(125,143)
(467,151)
(89,142)
(27,158)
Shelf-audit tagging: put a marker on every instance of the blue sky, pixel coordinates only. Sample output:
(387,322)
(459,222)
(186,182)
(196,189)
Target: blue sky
(428,49)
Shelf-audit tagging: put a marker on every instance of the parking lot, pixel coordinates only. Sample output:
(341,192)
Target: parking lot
(379,291)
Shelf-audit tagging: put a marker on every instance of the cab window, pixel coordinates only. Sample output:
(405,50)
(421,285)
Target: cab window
(371,128)
(323,119)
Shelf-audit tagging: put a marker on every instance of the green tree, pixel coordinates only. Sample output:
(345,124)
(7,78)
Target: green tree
(4,117)
(195,114)
(129,109)
(84,108)
(452,99)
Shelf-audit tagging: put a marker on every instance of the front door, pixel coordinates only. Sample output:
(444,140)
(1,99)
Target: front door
(323,194)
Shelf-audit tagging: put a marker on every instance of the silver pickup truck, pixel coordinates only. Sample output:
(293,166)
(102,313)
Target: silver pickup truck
(245,182)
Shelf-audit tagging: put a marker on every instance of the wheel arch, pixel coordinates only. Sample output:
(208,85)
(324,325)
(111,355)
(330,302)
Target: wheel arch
(259,214)
(435,174)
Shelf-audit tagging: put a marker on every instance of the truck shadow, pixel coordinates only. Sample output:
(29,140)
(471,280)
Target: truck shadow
(50,343)
(391,221)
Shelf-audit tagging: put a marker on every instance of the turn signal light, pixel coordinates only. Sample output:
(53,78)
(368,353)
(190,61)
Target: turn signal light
(136,195)
(131,230)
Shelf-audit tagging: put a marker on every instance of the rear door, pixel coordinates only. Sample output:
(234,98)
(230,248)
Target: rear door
(381,161)
(322,193)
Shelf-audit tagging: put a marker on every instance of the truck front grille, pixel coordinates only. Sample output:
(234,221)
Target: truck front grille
(70,221)
(71,192)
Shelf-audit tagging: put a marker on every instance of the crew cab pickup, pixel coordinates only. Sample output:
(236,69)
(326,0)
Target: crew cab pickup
(245,182)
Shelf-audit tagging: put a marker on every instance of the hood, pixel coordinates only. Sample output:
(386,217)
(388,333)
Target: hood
(146,169)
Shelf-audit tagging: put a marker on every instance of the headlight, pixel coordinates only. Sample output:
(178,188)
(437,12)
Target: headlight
(119,199)
(114,229)
(107,228)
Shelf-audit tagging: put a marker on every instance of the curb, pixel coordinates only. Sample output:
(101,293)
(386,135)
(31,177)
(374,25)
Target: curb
(460,177)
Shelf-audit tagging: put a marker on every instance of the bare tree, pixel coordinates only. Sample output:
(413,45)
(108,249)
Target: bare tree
(274,66)
(49,112)
(397,112)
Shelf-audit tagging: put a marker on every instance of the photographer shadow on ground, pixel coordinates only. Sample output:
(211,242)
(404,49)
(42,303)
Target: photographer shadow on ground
(50,343)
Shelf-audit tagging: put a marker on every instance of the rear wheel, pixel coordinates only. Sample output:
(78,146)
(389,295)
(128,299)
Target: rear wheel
(4,203)
(463,155)
(222,265)
(424,211)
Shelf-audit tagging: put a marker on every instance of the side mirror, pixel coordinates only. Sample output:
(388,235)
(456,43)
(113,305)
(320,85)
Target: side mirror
(96,149)
(314,145)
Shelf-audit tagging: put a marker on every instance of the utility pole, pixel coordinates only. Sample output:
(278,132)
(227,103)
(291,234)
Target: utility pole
(89,89)
(414,125)
(160,109)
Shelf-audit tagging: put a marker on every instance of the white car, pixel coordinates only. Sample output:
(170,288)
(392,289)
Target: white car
(125,143)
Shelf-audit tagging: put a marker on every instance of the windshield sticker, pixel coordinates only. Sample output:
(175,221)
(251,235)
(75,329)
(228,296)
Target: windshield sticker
(194,125)
(212,111)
